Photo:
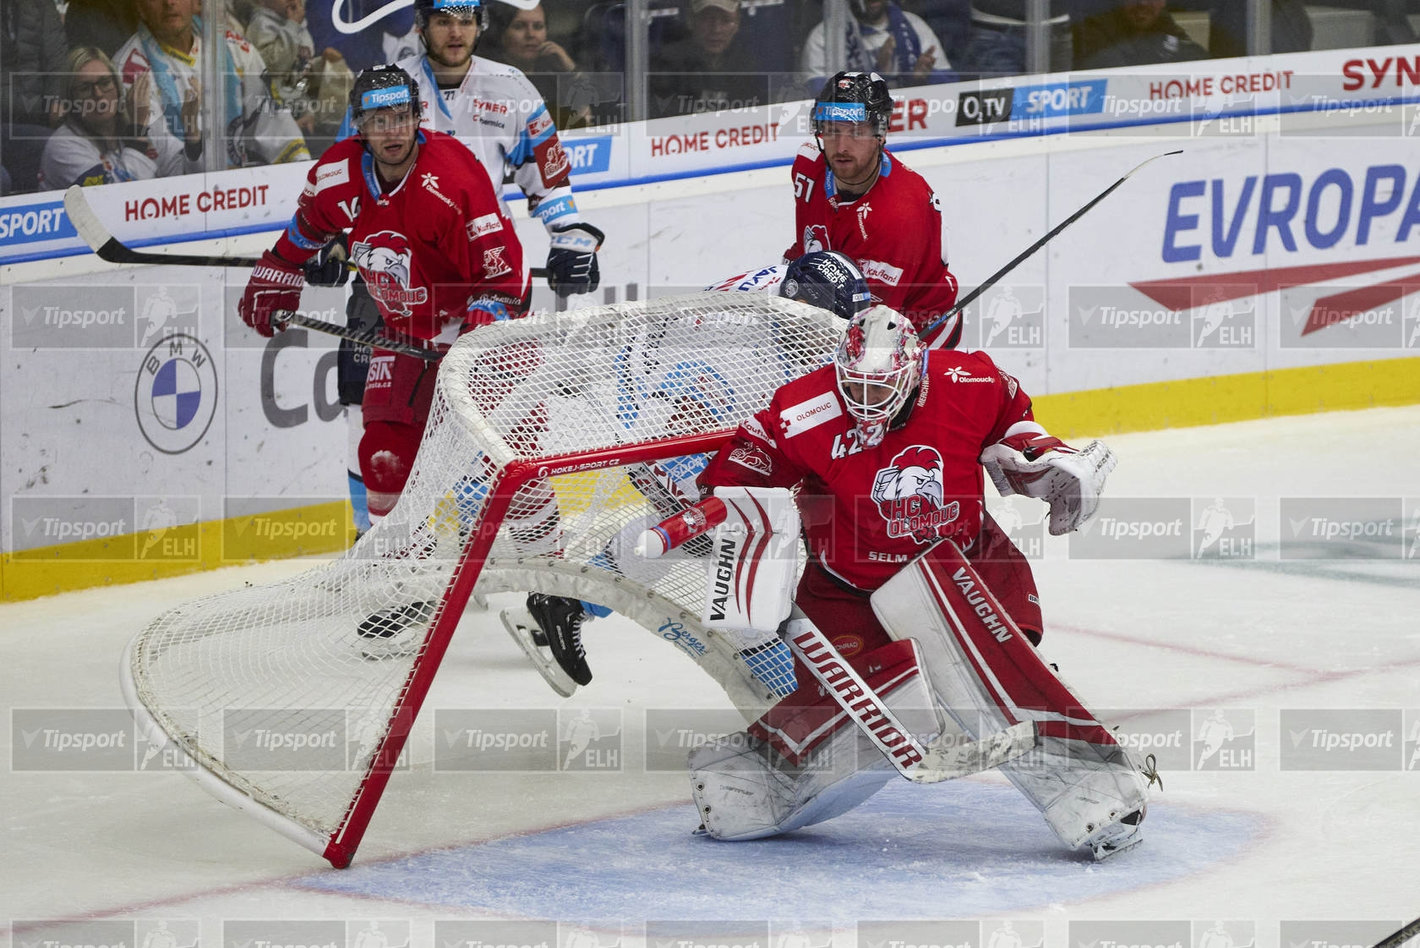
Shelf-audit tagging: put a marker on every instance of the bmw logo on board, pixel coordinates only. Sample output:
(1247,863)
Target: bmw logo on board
(175,397)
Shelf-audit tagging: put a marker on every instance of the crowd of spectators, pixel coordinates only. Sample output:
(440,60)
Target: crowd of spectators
(288,67)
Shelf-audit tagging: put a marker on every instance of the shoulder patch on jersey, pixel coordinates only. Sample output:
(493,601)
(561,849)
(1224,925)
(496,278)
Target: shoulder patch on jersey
(332,174)
(882,272)
(822,408)
(487,224)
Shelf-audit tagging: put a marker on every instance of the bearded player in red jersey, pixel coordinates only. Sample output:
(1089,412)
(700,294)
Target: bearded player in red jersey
(428,235)
(853,196)
(888,446)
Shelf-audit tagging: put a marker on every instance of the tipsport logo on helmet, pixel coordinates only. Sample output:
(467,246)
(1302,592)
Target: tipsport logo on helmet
(385,98)
(909,494)
(841,112)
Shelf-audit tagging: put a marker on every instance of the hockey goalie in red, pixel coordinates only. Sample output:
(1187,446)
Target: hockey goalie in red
(429,237)
(917,587)
(853,196)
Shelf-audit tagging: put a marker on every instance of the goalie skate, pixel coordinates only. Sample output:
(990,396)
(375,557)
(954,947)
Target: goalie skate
(530,638)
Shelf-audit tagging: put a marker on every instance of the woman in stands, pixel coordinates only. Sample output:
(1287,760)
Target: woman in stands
(95,145)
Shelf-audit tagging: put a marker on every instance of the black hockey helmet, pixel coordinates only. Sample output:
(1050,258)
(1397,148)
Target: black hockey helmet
(476,10)
(382,87)
(829,280)
(855,97)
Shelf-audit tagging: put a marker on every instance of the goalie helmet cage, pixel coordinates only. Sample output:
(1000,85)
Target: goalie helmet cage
(551,444)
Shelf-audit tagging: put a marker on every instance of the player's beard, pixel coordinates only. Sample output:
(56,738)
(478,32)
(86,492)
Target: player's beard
(464,56)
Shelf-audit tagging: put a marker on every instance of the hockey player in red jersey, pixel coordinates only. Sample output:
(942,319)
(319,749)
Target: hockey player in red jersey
(428,235)
(853,196)
(887,447)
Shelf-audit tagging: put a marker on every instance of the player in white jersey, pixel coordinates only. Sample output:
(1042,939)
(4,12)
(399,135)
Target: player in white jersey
(497,112)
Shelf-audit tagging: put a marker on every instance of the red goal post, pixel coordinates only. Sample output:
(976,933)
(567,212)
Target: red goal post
(524,481)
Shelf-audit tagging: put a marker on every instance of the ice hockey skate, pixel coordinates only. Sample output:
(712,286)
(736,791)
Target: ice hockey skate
(549,631)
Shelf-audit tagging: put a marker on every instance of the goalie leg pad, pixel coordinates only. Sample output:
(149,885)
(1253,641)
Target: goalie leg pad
(983,670)
(805,761)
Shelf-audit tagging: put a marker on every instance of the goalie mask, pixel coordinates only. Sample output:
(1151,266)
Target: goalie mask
(879,366)
(829,280)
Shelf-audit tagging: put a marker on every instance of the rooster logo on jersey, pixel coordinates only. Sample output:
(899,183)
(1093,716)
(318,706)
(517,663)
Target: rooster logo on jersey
(909,495)
(384,262)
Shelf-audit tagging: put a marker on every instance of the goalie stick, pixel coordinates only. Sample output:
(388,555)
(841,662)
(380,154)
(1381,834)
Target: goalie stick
(1020,258)
(110,248)
(917,762)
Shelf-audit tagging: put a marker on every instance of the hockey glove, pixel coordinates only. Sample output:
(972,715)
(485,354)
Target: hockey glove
(572,259)
(328,267)
(1037,465)
(274,287)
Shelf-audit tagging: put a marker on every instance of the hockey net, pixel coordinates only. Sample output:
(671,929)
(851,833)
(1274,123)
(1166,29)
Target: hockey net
(551,441)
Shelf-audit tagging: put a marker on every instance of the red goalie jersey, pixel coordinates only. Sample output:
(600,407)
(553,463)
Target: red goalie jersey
(885,504)
(894,232)
(427,247)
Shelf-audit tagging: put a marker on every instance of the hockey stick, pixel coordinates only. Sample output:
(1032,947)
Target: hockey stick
(402,345)
(1401,936)
(110,248)
(994,278)
(916,762)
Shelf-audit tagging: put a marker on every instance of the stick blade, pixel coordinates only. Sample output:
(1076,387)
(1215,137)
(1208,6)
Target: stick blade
(962,760)
(85,221)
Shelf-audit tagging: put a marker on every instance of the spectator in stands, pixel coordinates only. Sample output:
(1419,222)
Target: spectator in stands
(1136,32)
(167,46)
(519,39)
(315,89)
(32,55)
(998,38)
(881,37)
(706,70)
(95,145)
(105,24)
(1227,28)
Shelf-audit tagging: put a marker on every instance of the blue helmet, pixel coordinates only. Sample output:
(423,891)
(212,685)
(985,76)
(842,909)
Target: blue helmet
(828,280)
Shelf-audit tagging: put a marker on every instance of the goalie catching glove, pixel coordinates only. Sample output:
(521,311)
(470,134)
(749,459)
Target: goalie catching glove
(1035,464)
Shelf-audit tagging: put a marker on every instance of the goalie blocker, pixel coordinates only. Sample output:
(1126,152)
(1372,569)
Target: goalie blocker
(958,666)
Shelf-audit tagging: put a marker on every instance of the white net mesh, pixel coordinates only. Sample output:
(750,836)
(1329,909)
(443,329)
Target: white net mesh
(284,692)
